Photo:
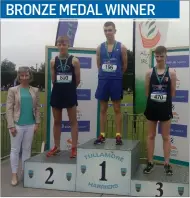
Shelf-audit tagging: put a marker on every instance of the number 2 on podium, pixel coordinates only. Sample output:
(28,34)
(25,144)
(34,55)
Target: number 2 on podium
(103,175)
(50,174)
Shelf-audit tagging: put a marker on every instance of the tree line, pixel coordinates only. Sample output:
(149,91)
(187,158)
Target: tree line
(9,73)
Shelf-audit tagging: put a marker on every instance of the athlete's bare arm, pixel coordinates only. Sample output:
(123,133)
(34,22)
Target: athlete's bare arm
(76,64)
(98,57)
(124,57)
(52,63)
(173,82)
(147,82)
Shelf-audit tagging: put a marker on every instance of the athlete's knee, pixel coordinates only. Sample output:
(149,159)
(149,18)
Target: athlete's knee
(73,121)
(166,138)
(117,108)
(151,136)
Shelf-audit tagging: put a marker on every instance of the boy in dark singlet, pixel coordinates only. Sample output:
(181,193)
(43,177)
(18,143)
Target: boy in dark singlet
(65,73)
(112,63)
(160,86)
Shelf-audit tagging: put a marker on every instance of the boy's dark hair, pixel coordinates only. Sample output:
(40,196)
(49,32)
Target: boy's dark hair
(109,23)
(160,50)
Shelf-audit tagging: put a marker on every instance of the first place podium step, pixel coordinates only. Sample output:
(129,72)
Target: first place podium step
(107,168)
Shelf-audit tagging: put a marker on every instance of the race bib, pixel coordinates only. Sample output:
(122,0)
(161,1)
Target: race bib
(158,96)
(109,68)
(64,78)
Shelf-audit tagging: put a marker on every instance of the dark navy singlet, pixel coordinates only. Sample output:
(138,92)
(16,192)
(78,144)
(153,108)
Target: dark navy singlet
(64,88)
(159,102)
(65,73)
(160,90)
(111,62)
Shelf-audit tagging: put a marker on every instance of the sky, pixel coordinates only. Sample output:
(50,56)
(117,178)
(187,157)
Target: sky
(23,41)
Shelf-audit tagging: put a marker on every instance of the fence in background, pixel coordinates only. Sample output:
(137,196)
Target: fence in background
(133,128)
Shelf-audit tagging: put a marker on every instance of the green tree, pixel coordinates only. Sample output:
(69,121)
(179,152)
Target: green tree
(8,66)
(42,68)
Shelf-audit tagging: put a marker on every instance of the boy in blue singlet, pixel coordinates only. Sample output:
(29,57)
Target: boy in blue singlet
(112,63)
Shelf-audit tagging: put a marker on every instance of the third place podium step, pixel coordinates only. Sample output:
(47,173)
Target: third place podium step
(107,168)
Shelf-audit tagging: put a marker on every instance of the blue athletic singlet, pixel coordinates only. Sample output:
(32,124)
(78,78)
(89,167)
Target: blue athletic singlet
(111,62)
(64,88)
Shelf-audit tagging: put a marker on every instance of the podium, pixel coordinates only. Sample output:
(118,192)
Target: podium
(157,184)
(57,172)
(106,169)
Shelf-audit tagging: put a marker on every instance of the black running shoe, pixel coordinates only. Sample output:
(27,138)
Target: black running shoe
(149,168)
(100,140)
(168,169)
(118,140)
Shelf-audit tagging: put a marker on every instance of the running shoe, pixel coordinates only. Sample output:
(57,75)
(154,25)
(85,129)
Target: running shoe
(54,151)
(101,139)
(149,168)
(168,169)
(118,140)
(73,152)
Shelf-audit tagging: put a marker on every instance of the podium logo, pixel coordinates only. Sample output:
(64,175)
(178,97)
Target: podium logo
(180,190)
(68,176)
(150,34)
(138,187)
(123,171)
(83,169)
(30,173)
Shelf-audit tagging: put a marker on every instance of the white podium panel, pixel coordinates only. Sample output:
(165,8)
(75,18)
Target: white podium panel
(106,168)
(57,172)
(157,184)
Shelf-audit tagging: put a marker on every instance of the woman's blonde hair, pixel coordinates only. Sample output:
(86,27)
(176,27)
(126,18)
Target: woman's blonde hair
(24,69)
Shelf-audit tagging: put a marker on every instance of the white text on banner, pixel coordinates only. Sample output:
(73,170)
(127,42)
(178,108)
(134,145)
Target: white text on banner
(94,9)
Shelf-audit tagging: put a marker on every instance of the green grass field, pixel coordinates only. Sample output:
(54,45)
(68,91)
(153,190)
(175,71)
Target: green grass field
(128,133)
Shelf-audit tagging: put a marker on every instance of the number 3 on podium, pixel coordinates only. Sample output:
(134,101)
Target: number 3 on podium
(160,189)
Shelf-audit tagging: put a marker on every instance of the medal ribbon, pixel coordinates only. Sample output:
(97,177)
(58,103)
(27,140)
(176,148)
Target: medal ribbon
(160,80)
(109,56)
(63,66)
